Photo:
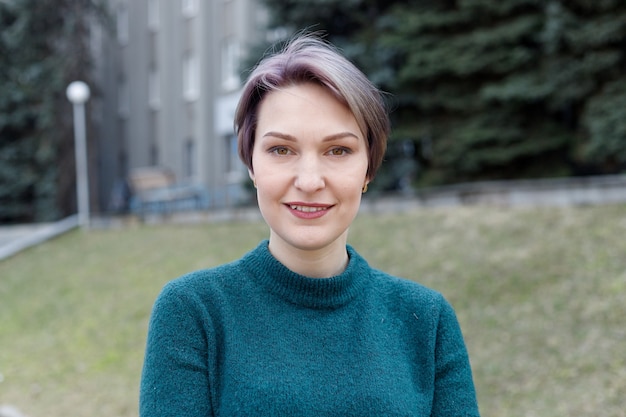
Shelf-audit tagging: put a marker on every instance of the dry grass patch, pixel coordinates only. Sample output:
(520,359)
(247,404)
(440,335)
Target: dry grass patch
(539,293)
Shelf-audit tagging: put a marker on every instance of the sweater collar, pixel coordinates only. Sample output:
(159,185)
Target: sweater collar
(309,292)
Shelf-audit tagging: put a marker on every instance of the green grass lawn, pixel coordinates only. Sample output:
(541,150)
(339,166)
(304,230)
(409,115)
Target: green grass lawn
(540,294)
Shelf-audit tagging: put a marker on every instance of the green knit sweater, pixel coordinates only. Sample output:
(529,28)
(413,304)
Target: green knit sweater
(252,338)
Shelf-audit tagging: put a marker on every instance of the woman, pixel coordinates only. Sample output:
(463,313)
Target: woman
(301,325)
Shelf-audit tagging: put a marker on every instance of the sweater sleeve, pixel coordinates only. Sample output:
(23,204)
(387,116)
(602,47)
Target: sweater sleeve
(174,380)
(454,394)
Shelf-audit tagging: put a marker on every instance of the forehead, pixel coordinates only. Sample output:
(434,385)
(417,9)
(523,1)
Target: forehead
(306,106)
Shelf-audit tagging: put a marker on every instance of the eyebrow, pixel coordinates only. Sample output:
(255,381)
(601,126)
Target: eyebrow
(329,138)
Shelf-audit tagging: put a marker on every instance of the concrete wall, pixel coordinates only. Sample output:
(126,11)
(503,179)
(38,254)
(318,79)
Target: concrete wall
(523,193)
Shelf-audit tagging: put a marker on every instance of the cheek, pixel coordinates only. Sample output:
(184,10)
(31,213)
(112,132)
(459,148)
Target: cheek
(359,171)
(349,186)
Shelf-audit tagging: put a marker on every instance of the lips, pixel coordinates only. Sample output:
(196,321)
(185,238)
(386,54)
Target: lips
(308,211)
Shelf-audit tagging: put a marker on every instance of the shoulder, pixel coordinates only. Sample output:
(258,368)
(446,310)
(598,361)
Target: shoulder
(201,282)
(404,288)
(402,294)
(420,313)
(195,300)
(396,291)
(211,289)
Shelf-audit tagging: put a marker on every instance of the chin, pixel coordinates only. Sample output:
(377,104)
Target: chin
(313,242)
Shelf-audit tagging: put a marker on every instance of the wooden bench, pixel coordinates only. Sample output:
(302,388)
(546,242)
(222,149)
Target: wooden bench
(155,190)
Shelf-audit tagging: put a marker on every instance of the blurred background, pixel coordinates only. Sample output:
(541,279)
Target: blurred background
(478,90)
(499,95)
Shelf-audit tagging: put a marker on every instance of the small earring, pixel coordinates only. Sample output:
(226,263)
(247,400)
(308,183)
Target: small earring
(364,190)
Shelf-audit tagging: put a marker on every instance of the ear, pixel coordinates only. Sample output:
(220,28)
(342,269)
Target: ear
(365,184)
(252,177)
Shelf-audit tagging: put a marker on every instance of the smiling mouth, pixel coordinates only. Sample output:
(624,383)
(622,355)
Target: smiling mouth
(307,209)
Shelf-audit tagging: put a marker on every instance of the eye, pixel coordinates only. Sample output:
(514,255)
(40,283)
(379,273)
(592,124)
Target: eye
(279,150)
(339,151)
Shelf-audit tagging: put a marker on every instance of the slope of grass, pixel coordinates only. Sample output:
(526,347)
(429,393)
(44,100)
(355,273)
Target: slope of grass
(539,293)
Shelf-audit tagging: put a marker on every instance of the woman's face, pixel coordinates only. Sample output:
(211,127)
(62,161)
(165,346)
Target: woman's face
(310,164)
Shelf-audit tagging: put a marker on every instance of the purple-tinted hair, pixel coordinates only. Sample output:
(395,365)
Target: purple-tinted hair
(307,58)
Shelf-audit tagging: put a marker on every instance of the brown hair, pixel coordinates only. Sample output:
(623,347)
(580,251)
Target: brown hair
(307,58)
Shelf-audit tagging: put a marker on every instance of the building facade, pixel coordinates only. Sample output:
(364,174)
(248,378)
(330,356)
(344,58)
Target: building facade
(170,78)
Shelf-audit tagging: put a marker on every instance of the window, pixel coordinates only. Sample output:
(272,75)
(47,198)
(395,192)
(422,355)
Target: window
(189,31)
(154,138)
(154,89)
(276,35)
(95,37)
(123,99)
(233,164)
(190,77)
(122,24)
(122,164)
(153,15)
(154,154)
(189,8)
(189,153)
(230,64)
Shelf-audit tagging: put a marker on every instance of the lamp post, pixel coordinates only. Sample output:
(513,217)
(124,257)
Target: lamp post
(78,94)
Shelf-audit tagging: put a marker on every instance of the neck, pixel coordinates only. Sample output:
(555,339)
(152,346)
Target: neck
(323,262)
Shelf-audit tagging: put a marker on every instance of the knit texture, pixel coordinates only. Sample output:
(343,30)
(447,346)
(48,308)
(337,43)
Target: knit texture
(252,338)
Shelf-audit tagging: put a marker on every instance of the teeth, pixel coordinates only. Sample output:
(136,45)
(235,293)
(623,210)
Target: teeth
(307,209)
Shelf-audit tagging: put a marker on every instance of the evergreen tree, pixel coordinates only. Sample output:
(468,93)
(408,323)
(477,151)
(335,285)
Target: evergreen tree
(489,90)
(43,47)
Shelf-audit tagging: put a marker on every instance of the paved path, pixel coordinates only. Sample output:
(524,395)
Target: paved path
(14,239)
(10,234)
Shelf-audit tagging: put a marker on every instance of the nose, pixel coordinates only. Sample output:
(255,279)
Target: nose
(309,175)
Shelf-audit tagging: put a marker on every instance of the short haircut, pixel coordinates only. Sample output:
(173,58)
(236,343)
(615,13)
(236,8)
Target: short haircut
(308,58)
